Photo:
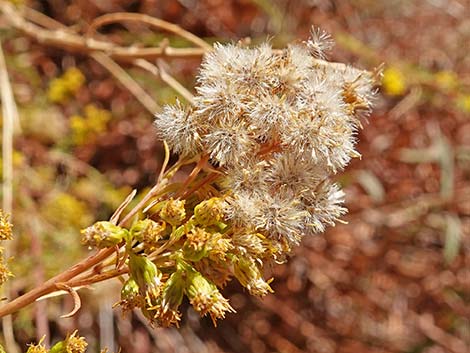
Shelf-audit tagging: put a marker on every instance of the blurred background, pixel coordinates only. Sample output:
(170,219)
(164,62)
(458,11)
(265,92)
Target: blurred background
(396,278)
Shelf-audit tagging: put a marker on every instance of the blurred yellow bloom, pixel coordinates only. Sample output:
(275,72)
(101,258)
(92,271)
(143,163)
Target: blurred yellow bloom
(446,80)
(463,102)
(57,92)
(393,81)
(86,128)
(61,88)
(73,79)
(65,210)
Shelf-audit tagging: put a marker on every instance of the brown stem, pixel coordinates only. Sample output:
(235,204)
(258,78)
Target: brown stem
(66,276)
(152,21)
(208,179)
(194,173)
(97,278)
(51,284)
(41,319)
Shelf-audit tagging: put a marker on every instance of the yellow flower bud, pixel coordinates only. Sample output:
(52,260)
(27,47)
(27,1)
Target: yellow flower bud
(209,212)
(173,212)
(145,273)
(147,231)
(194,247)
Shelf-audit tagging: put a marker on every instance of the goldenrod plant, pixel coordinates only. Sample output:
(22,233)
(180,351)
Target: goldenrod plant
(266,133)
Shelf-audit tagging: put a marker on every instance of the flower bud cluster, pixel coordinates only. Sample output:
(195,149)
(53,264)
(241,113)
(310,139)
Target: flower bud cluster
(191,239)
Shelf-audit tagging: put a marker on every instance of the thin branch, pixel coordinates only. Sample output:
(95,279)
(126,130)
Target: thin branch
(85,281)
(152,21)
(115,217)
(127,81)
(10,114)
(165,161)
(165,77)
(41,319)
(64,39)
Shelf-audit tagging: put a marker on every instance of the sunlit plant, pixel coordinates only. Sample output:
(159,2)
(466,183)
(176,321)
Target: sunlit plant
(266,134)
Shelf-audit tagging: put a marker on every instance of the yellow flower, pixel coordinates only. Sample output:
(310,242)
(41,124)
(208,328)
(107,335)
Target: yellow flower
(205,297)
(4,270)
(393,81)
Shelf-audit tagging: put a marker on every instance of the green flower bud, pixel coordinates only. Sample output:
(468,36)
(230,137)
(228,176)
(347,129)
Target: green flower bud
(144,272)
(103,234)
(130,289)
(182,230)
(130,296)
(166,311)
(209,212)
(173,212)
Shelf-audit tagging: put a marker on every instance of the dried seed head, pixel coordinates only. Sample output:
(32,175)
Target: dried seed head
(176,126)
(319,43)
(279,124)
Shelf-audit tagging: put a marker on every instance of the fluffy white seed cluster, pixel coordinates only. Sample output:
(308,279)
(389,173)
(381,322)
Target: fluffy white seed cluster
(280,123)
